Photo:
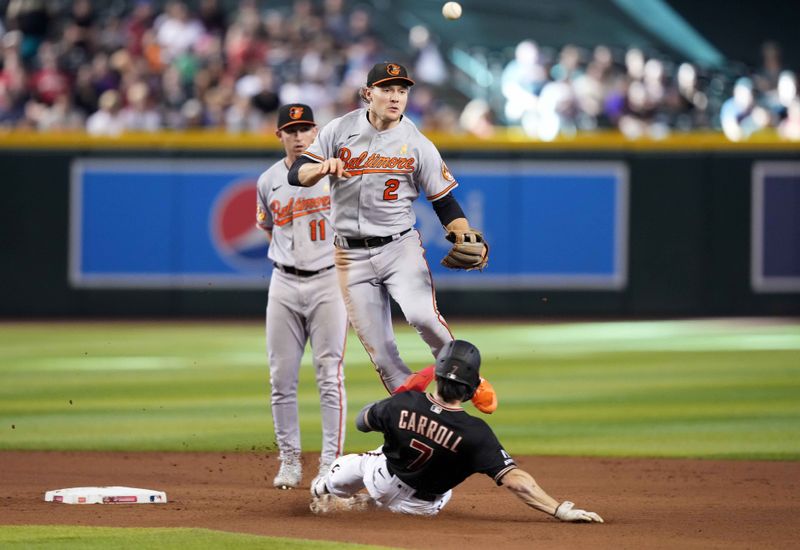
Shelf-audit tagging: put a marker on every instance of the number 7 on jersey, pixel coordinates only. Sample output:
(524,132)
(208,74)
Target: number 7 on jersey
(425,454)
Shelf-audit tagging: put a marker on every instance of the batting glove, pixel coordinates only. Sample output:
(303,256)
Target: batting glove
(567,512)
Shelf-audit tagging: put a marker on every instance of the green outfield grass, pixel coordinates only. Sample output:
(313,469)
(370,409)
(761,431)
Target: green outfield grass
(102,538)
(723,389)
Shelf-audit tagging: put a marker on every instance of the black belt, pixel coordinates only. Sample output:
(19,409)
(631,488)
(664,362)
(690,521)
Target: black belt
(299,272)
(367,242)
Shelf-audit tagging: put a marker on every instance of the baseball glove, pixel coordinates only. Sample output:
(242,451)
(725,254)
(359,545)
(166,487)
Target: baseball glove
(469,251)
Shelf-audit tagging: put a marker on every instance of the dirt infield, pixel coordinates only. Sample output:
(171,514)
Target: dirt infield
(646,503)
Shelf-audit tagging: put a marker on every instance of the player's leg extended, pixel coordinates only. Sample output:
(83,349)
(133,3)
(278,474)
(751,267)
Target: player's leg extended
(345,478)
(406,274)
(326,320)
(369,311)
(408,277)
(338,490)
(286,338)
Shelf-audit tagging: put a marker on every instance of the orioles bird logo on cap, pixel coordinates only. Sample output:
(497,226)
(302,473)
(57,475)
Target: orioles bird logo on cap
(393,69)
(295,112)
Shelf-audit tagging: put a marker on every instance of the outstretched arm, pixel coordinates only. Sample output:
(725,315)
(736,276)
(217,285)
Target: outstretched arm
(306,172)
(522,484)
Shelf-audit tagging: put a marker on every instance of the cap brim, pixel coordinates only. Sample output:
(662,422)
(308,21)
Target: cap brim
(402,78)
(292,123)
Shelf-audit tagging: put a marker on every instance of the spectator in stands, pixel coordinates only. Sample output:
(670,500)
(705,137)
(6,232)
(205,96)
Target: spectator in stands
(777,101)
(522,80)
(32,18)
(177,31)
(60,116)
(477,119)
(789,127)
(49,81)
(214,64)
(213,17)
(634,64)
(685,102)
(766,78)
(243,117)
(740,115)
(429,64)
(13,81)
(107,121)
(136,25)
(139,115)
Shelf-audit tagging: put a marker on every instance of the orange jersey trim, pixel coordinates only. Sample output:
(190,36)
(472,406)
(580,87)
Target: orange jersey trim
(340,391)
(313,156)
(442,193)
(377,171)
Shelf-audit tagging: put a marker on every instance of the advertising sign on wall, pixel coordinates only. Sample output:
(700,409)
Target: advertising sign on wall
(188,223)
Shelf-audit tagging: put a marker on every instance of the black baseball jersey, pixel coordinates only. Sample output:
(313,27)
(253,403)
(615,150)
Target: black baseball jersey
(433,447)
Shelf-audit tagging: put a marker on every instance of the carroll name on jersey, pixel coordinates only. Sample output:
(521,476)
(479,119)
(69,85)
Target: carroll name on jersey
(424,426)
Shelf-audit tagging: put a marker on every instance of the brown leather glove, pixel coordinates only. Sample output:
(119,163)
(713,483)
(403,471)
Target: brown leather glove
(469,251)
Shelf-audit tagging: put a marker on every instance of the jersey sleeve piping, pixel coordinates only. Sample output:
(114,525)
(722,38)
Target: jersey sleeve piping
(441,194)
(312,156)
(498,478)
(366,419)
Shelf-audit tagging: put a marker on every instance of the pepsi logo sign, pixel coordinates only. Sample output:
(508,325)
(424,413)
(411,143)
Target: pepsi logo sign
(232,226)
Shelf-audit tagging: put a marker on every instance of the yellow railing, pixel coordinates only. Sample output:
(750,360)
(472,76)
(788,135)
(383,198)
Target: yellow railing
(503,140)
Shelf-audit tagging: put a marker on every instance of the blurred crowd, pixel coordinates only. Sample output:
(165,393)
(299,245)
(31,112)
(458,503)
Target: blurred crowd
(576,89)
(140,65)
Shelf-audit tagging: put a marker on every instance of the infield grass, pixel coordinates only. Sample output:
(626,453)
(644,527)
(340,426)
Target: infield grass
(701,388)
(102,538)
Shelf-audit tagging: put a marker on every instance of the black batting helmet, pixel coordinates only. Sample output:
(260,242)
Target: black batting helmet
(459,361)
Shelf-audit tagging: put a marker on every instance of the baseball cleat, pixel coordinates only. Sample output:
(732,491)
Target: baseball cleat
(485,398)
(416,381)
(329,503)
(289,474)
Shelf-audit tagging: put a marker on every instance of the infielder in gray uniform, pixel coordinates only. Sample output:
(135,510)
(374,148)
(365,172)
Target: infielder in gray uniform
(379,163)
(304,299)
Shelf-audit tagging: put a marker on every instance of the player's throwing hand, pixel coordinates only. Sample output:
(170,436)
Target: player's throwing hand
(333,167)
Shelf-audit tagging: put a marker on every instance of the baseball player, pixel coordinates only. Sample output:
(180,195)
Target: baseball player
(379,163)
(430,446)
(304,299)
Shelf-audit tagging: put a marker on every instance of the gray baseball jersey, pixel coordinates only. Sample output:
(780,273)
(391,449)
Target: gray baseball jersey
(299,219)
(303,308)
(390,170)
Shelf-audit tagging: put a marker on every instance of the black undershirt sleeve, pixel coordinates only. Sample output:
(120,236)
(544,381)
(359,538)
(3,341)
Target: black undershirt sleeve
(294,171)
(447,208)
(361,420)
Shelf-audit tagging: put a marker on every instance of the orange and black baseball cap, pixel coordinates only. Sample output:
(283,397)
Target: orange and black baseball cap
(295,113)
(384,72)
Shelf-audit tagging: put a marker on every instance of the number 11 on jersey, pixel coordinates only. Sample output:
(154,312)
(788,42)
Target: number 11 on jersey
(313,225)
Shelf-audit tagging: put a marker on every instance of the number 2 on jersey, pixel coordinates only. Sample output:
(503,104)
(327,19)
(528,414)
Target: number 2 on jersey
(313,225)
(390,193)
(425,454)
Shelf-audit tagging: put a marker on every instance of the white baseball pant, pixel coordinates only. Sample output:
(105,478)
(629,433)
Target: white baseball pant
(300,309)
(351,473)
(368,276)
